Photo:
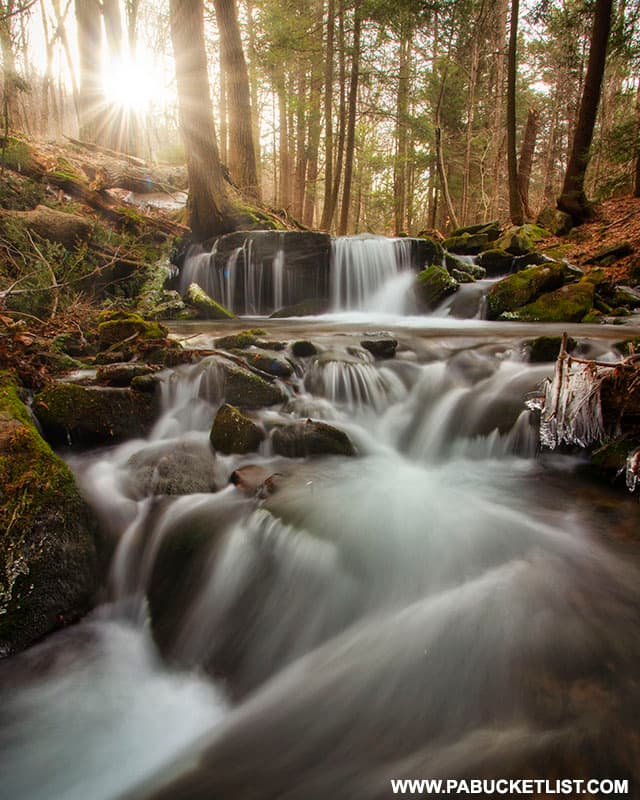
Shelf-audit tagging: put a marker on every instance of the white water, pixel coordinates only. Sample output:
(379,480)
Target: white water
(440,605)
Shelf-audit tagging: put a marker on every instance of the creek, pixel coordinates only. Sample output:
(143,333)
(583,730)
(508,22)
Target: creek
(449,603)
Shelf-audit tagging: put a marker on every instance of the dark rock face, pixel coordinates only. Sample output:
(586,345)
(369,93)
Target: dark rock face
(311,438)
(496,262)
(121,374)
(49,559)
(90,415)
(523,287)
(303,349)
(380,348)
(554,220)
(547,348)
(433,285)
(245,389)
(233,432)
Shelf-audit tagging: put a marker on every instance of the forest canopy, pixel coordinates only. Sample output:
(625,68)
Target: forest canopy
(348,115)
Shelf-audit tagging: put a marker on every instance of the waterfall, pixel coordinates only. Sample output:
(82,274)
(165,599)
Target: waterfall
(361,268)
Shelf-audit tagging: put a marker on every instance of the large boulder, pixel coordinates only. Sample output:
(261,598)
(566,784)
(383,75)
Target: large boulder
(306,308)
(496,262)
(569,303)
(491,229)
(554,220)
(523,287)
(90,415)
(432,285)
(206,306)
(380,347)
(233,432)
(521,240)
(116,327)
(469,244)
(49,562)
(311,438)
(245,389)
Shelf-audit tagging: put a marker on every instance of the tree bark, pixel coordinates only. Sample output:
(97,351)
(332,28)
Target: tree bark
(402,111)
(573,199)
(342,113)
(526,160)
(313,145)
(242,154)
(207,206)
(515,203)
(351,123)
(328,118)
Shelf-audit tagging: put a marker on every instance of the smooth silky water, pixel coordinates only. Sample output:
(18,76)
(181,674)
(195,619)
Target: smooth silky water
(450,603)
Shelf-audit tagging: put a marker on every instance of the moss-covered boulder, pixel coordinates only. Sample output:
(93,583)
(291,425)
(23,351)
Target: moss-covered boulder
(521,240)
(120,326)
(206,306)
(626,296)
(460,265)
(245,389)
(311,438)
(611,253)
(48,547)
(240,340)
(557,222)
(306,308)
(491,229)
(90,415)
(522,287)
(233,432)
(547,348)
(467,244)
(303,349)
(121,374)
(271,362)
(567,304)
(496,261)
(432,285)
(428,250)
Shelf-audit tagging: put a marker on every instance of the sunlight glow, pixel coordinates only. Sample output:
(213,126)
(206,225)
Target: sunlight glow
(132,86)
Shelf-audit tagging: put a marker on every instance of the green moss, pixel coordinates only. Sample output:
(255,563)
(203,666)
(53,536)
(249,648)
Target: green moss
(433,284)
(48,556)
(567,304)
(594,317)
(18,155)
(206,306)
(547,348)
(120,325)
(245,389)
(467,244)
(522,287)
(233,432)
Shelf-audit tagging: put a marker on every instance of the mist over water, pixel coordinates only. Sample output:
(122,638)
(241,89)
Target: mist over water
(448,603)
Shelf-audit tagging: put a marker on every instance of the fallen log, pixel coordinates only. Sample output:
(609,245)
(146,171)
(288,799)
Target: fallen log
(56,226)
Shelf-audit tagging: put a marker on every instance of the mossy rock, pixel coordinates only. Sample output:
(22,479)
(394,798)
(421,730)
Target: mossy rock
(306,308)
(120,374)
(491,229)
(245,389)
(90,415)
(272,363)
(171,469)
(522,287)
(611,253)
(119,326)
(626,296)
(467,244)
(432,285)
(49,548)
(71,344)
(521,240)
(496,261)
(240,340)
(429,250)
(303,349)
(556,221)
(567,304)
(474,271)
(206,306)
(627,346)
(311,438)
(547,348)
(233,432)
(594,317)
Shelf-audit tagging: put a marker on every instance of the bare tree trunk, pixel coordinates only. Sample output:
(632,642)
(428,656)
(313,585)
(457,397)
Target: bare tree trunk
(573,199)
(327,210)
(342,112)
(313,142)
(207,206)
(351,123)
(515,203)
(402,111)
(222,112)
(284,184)
(242,155)
(526,160)
(91,100)
(253,85)
(498,124)
(300,170)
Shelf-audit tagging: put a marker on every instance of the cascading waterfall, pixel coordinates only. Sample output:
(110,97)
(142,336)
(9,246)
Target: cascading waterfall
(439,605)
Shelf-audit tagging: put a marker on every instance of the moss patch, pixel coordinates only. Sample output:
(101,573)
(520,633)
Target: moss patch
(522,287)
(233,432)
(567,304)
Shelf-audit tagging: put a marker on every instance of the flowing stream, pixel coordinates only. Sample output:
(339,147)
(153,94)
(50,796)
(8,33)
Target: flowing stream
(448,603)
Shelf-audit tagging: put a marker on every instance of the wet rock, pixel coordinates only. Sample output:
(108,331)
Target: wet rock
(311,438)
(146,383)
(90,415)
(461,277)
(272,363)
(245,389)
(521,288)
(472,270)
(554,220)
(252,479)
(307,308)
(467,244)
(428,250)
(491,229)
(496,262)
(381,347)
(172,469)
(594,317)
(626,296)
(610,459)
(303,349)
(432,285)
(49,549)
(120,374)
(612,253)
(233,432)
(547,348)
(206,306)
(240,340)
(118,326)
(567,304)
(521,240)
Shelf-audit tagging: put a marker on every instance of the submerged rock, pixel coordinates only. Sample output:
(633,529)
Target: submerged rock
(233,432)
(206,306)
(311,438)
(307,308)
(432,285)
(172,469)
(547,348)
(90,415)
(521,288)
(49,559)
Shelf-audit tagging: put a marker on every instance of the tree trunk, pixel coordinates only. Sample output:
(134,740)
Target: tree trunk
(515,203)
(402,111)
(284,183)
(313,147)
(207,206)
(328,119)
(351,123)
(526,160)
(573,199)
(91,103)
(242,154)
(300,170)
(342,113)
(498,123)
